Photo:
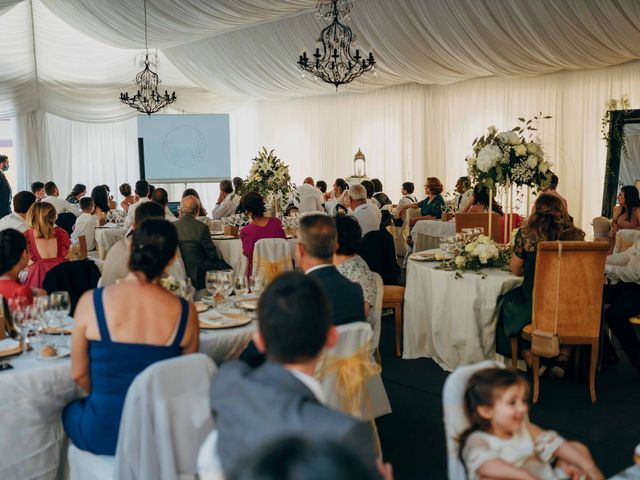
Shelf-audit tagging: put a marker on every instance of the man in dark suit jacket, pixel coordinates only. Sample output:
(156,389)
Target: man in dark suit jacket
(196,247)
(281,397)
(5,188)
(317,242)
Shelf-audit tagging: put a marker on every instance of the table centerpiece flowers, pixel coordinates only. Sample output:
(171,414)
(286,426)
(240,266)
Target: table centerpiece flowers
(476,254)
(269,176)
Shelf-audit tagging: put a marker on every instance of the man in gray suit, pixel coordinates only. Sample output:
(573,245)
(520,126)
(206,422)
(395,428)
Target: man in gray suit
(194,240)
(282,397)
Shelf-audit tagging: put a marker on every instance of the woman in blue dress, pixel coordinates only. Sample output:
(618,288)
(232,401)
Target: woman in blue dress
(119,331)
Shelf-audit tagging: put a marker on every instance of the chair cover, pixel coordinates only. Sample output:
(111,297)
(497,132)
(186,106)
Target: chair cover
(166,418)
(625,239)
(398,240)
(375,313)
(350,377)
(73,277)
(455,420)
(209,466)
(601,228)
(271,257)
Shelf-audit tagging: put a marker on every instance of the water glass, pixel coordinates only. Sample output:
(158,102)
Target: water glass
(256,284)
(240,286)
(213,283)
(60,306)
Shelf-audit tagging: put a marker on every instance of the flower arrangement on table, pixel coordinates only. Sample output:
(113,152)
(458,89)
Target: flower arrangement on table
(476,254)
(180,288)
(291,224)
(269,176)
(233,223)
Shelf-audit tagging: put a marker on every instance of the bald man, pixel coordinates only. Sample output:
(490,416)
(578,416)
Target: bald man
(196,247)
(308,198)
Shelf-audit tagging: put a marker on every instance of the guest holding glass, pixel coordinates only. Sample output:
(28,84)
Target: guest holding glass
(259,226)
(14,258)
(431,206)
(119,331)
(77,192)
(48,244)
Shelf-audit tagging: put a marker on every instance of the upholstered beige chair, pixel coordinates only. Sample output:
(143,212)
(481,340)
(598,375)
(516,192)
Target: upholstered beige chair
(472,220)
(567,287)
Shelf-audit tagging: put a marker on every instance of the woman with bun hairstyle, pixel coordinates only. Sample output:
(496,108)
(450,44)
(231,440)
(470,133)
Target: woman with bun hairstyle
(14,258)
(119,331)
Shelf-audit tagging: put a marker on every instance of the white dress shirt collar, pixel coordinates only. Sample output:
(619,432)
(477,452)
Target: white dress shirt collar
(318,267)
(312,384)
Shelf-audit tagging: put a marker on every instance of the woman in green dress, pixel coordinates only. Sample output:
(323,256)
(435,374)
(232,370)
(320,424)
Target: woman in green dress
(549,221)
(431,206)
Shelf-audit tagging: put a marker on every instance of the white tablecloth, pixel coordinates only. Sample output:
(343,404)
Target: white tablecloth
(107,237)
(452,320)
(33,394)
(426,234)
(231,251)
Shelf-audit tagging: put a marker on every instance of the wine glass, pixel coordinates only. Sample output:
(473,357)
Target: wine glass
(17,307)
(240,286)
(213,283)
(60,306)
(256,284)
(226,284)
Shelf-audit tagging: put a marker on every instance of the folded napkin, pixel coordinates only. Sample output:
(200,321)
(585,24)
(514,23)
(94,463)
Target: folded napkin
(8,344)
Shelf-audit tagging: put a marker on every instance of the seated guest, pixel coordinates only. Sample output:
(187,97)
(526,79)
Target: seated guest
(552,190)
(626,215)
(364,212)
(142,196)
(378,196)
(192,192)
(349,263)
(112,203)
(86,224)
(501,443)
(37,188)
(152,189)
(430,207)
(128,199)
(480,202)
(369,189)
(464,194)
(549,222)
(53,197)
(14,258)
(407,198)
(48,244)
(100,198)
(196,247)
(340,188)
(624,269)
(77,192)
(120,330)
(294,327)
(227,202)
(161,197)
(238,183)
(322,186)
(317,243)
(308,198)
(22,202)
(259,226)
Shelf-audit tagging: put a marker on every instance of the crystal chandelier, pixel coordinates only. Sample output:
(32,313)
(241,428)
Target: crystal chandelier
(333,62)
(147,99)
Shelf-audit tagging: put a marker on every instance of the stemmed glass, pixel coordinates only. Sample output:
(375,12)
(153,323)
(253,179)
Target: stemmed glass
(240,286)
(256,284)
(226,284)
(17,307)
(213,283)
(60,306)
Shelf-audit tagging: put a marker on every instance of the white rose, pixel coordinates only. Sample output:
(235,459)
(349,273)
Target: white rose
(532,161)
(485,252)
(460,261)
(533,148)
(543,167)
(484,239)
(470,247)
(510,138)
(471,161)
(488,157)
(520,150)
(492,130)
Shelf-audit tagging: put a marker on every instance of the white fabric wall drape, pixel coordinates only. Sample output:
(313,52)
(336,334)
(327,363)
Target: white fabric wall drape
(630,164)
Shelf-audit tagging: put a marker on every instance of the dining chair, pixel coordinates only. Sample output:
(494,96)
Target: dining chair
(473,220)
(567,300)
(271,257)
(393,298)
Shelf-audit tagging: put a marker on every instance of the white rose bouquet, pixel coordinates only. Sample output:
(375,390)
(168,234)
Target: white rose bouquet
(477,254)
(269,176)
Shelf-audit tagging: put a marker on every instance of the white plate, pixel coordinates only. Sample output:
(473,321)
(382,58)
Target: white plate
(225,237)
(62,352)
(215,320)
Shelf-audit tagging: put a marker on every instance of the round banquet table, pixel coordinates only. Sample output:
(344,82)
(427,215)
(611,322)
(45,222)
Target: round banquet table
(426,234)
(230,249)
(452,320)
(107,236)
(34,392)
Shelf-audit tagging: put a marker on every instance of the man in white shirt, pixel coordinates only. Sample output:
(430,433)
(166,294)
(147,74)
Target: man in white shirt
(227,203)
(141,195)
(22,201)
(407,199)
(622,297)
(161,197)
(307,197)
(86,224)
(61,205)
(464,194)
(362,210)
(369,189)
(37,188)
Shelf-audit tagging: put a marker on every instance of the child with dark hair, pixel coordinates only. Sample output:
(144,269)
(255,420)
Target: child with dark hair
(501,443)
(14,257)
(86,224)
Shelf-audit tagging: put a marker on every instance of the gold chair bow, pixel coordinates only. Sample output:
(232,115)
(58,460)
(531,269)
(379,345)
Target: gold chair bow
(270,269)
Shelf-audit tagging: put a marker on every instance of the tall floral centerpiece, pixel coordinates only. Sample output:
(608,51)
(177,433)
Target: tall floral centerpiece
(269,176)
(508,158)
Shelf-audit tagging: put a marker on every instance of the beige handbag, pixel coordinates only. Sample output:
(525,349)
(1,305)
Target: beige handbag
(547,344)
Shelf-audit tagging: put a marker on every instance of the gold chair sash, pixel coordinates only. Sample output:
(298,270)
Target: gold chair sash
(352,375)
(270,269)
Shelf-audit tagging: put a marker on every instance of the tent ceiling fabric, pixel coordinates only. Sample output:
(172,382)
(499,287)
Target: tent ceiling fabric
(76,55)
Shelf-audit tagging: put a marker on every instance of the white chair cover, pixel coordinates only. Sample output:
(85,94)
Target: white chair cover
(356,339)
(375,313)
(625,239)
(271,257)
(209,466)
(166,417)
(398,240)
(455,419)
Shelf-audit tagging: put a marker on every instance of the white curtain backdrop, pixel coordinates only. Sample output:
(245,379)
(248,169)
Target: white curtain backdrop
(630,164)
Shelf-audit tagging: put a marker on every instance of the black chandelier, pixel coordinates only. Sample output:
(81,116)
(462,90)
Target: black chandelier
(147,99)
(335,63)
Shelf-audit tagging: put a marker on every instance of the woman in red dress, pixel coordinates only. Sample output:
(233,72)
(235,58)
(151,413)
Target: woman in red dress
(48,244)
(13,259)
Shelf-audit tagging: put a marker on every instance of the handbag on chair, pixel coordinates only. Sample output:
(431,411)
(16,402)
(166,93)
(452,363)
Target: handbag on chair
(543,343)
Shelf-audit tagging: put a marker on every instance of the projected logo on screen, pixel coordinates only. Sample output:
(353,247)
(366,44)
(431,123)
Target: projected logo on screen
(184,146)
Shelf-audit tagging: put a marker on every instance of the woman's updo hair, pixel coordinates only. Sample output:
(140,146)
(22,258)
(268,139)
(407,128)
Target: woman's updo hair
(253,203)
(12,245)
(154,243)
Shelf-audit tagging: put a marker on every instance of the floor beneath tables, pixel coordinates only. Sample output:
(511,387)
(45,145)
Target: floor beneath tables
(413,435)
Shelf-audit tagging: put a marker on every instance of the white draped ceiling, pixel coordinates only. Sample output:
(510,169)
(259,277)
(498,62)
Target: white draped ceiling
(450,67)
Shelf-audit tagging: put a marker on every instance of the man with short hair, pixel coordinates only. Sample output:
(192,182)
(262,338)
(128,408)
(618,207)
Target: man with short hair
(37,188)
(194,240)
(227,201)
(317,242)
(370,189)
(308,198)
(363,210)
(61,205)
(22,202)
(5,188)
(464,194)
(254,406)
(161,197)
(141,196)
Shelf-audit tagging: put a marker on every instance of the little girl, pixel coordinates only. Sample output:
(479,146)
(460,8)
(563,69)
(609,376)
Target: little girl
(501,443)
